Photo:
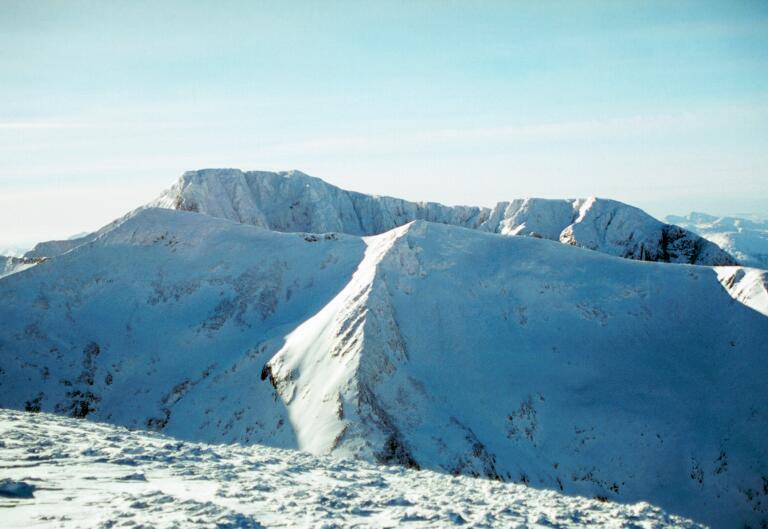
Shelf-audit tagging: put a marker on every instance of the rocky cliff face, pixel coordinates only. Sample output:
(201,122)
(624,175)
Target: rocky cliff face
(295,202)
(429,346)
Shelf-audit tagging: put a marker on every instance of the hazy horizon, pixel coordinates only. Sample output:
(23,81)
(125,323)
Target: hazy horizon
(663,106)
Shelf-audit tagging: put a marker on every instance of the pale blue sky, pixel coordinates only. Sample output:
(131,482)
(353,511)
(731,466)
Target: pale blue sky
(105,103)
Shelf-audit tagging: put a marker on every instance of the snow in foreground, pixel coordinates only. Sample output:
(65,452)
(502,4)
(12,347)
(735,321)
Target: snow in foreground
(93,475)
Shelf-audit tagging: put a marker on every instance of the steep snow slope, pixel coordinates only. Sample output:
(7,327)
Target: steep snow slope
(429,345)
(745,239)
(294,201)
(92,475)
(525,360)
(166,322)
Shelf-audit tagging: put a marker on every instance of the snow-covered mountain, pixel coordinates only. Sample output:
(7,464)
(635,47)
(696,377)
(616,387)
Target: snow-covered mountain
(745,239)
(167,305)
(66,473)
(295,202)
(429,345)
(511,361)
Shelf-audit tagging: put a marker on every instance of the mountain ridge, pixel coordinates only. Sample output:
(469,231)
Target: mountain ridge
(295,201)
(432,346)
(292,201)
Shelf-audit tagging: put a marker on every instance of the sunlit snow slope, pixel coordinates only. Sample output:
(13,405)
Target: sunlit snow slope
(429,345)
(166,322)
(525,360)
(295,202)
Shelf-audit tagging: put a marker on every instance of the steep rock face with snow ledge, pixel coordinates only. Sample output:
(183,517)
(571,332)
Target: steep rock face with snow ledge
(295,202)
(430,346)
(527,361)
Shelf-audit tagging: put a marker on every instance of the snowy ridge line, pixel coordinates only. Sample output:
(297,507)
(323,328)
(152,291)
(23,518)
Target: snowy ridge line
(54,248)
(328,346)
(398,353)
(293,201)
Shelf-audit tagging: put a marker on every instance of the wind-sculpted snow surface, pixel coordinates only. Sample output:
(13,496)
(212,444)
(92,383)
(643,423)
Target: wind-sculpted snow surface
(429,346)
(96,476)
(745,239)
(295,202)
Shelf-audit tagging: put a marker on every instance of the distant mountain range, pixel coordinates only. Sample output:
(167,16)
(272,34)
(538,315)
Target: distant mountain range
(744,238)
(295,202)
(388,331)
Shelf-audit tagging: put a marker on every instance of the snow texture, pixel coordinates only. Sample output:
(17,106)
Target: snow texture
(429,346)
(98,476)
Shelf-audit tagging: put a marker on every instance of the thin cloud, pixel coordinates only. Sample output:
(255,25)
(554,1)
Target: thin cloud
(42,125)
(555,131)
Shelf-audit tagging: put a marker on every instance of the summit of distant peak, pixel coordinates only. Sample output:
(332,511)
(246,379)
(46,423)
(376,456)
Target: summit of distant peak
(293,201)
